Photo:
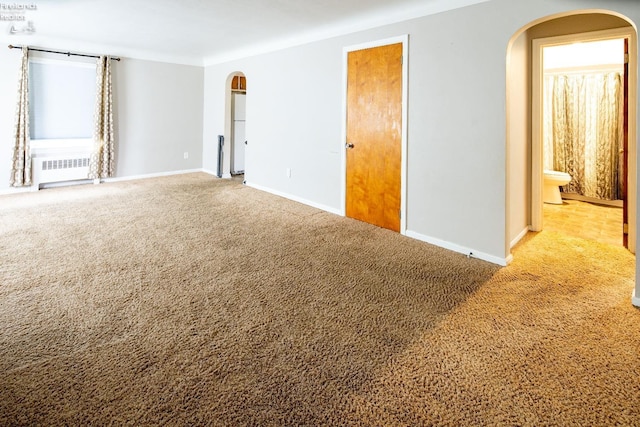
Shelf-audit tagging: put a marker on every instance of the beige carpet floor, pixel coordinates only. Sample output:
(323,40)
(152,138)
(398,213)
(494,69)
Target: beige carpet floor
(190,300)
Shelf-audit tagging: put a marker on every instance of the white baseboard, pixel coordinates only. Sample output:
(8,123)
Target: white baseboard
(519,237)
(295,199)
(461,249)
(635,300)
(17,190)
(151,175)
(210,172)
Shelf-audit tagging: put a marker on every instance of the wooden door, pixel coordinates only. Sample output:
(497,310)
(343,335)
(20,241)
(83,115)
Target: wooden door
(374,135)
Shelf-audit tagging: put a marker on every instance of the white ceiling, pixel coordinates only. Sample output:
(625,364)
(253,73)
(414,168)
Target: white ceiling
(202,32)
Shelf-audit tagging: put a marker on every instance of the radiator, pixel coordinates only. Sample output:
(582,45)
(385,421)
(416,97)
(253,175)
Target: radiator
(59,169)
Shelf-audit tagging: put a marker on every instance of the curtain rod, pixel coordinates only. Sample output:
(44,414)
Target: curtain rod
(60,53)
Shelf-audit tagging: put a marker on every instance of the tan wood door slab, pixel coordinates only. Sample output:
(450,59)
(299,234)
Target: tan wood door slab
(374,135)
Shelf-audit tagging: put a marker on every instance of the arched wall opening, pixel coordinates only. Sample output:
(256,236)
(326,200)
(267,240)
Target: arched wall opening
(523,141)
(235,83)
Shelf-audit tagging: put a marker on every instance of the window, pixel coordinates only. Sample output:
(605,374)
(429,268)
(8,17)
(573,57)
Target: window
(61,99)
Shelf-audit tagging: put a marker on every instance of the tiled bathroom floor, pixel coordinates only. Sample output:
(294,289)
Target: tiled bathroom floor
(585,220)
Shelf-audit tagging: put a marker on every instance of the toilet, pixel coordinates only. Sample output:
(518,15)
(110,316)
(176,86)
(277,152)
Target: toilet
(553,180)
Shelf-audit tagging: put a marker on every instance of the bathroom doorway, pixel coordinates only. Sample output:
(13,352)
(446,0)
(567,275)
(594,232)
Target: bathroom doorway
(524,189)
(584,137)
(580,116)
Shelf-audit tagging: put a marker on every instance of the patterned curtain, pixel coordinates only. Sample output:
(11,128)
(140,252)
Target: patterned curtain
(583,131)
(21,166)
(102,158)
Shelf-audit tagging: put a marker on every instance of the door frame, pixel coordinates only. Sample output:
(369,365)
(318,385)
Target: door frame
(404,39)
(536,123)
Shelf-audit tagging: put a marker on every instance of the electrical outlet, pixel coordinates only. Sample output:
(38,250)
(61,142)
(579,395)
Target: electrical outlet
(186,155)
(288,172)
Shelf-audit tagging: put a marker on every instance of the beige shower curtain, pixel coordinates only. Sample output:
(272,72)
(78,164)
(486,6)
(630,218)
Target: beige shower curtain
(102,158)
(583,131)
(21,161)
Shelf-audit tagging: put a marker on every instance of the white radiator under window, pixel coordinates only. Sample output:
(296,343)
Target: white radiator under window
(59,169)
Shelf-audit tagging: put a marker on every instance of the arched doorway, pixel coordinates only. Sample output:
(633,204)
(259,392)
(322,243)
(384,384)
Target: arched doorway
(524,140)
(524,152)
(580,126)
(233,151)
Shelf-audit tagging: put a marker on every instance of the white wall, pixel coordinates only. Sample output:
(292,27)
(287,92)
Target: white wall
(457,193)
(456,122)
(519,148)
(157,112)
(293,120)
(159,117)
